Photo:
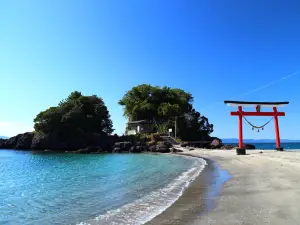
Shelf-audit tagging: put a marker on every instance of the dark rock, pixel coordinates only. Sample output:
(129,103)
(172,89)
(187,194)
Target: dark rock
(152,148)
(229,147)
(122,146)
(137,149)
(116,150)
(2,143)
(216,143)
(54,141)
(165,144)
(89,150)
(24,141)
(184,144)
(164,150)
(163,147)
(83,151)
(21,141)
(174,150)
(51,141)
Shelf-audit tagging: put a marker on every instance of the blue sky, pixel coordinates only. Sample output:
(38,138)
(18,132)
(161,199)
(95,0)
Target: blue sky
(216,50)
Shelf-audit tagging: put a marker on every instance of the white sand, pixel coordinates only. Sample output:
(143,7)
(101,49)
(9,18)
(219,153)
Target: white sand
(264,188)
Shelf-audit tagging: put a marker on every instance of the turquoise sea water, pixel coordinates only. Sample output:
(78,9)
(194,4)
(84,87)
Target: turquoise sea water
(272,146)
(90,189)
(287,146)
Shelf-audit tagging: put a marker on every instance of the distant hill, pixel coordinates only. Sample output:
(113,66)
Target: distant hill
(3,137)
(235,140)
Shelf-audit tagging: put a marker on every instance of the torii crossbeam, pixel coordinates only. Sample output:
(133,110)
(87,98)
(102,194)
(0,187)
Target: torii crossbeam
(240,113)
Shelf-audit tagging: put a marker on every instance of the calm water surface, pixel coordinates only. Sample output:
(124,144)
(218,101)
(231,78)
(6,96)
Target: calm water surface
(90,189)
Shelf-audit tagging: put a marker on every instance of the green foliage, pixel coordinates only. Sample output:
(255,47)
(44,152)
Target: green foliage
(155,137)
(192,126)
(163,127)
(76,115)
(162,105)
(155,103)
(178,140)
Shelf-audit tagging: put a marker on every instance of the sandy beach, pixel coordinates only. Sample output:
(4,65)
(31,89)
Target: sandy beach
(263,189)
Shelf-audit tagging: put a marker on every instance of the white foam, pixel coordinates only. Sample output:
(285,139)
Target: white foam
(144,209)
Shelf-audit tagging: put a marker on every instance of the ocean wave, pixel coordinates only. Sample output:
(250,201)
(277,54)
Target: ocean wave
(146,208)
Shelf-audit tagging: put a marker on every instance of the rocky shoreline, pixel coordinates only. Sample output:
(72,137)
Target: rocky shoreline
(84,145)
(105,144)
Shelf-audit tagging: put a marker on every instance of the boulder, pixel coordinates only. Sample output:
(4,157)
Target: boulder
(216,143)
(89,150)
(174,150)
(163,147)
(122,146)
(137,149)
(116,150)
(152,148)
(184,144)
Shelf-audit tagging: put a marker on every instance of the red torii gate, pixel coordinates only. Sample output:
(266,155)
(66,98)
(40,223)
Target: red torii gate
(240,113)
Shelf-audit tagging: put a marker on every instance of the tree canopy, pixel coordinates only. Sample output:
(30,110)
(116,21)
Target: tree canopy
(75,115)
(162,105)
(155,103)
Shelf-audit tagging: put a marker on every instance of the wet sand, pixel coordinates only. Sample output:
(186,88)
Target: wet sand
(264,188)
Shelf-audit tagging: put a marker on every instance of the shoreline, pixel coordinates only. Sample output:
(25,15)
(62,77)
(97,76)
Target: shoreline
(263,189)
(199,197)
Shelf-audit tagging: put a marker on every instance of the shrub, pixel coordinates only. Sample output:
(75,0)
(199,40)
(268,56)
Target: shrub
(155,137)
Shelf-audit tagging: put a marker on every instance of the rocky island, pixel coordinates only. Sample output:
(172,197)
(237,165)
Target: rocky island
(82,124)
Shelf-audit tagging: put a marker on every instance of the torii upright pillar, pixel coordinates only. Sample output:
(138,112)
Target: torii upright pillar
(241,145)
(241,150)
(278,146)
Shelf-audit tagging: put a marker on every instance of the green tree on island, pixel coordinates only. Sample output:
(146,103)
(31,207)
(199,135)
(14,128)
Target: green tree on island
(75,116)
(162,105)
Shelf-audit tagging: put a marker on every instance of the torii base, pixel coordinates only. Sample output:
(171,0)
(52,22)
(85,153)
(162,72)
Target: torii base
(241,151)
(279,149)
